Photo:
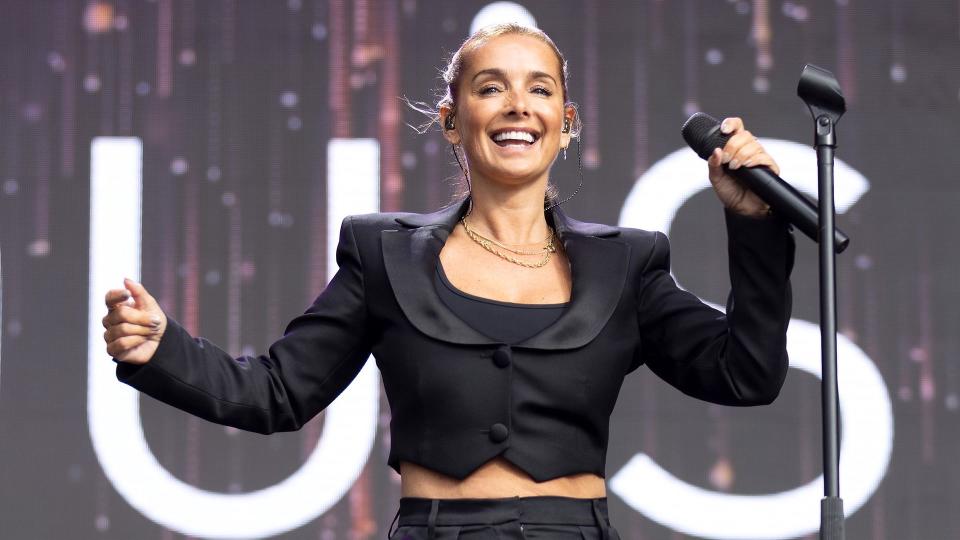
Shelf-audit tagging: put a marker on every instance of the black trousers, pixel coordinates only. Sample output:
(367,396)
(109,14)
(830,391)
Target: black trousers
(518,518)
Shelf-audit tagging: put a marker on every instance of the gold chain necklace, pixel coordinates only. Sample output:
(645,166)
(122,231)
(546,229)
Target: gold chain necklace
(488,244)
(548,241)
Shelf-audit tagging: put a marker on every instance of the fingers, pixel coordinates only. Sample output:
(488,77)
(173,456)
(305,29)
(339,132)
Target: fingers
(118,331)
(743,149)
(134,323)
(139,294)
(116,296)
(122,313)
(714,163)
(731,125)
(739,138)
(118,346)
(762,159)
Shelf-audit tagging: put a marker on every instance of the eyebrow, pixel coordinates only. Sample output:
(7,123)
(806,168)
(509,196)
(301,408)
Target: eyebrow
(496,72)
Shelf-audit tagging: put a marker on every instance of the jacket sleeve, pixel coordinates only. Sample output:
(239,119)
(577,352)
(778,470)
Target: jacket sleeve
(735,359)
(319,354)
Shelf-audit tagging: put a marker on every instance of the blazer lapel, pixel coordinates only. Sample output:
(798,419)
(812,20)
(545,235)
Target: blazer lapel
(598,265)
(599,269)
(410,257)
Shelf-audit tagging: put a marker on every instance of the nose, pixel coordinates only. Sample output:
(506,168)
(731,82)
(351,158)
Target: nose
(517,103)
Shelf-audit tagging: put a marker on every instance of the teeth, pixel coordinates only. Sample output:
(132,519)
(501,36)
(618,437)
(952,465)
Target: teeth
(513,135)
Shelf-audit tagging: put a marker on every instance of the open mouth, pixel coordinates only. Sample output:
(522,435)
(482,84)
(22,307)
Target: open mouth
(514,138)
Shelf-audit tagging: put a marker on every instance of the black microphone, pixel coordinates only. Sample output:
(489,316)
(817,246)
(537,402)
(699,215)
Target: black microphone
(703,135)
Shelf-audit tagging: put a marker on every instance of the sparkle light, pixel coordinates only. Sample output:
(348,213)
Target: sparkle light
(56,62)
(179,166)
(98,17)
(952,401)
(761,84)
(898,73)
(39,248)
(289,99)
(721,475)
(91,83)
(714,56)
(187,57)
(318,31)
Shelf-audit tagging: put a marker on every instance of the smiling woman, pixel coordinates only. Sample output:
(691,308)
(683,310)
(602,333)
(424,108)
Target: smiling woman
(503,329)
(511,87)
(550,81)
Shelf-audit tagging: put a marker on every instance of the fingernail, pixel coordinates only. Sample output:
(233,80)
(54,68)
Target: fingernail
(725,127)
(734,164)
(726,158)
(155,320)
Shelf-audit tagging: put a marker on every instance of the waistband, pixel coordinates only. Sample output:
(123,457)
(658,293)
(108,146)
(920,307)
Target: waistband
(528,510)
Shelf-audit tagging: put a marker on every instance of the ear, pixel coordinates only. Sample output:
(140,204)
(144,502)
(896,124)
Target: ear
(447,115)
(571,119)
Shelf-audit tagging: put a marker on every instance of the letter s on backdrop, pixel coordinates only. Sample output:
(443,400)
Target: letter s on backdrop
(864,403)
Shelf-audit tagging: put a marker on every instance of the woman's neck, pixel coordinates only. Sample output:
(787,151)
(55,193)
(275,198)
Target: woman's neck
(512,215)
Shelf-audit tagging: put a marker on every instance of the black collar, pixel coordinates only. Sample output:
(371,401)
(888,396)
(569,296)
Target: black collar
(598,265)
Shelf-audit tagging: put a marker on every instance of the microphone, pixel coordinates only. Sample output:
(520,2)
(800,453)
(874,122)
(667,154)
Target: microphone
(703,135)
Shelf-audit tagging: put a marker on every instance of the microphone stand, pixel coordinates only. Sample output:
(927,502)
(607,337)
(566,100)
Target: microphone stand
(819,89)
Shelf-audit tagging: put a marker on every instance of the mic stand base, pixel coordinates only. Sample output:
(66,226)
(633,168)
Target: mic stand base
(831,518)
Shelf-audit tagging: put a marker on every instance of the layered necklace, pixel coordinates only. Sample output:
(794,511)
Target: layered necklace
(495,247)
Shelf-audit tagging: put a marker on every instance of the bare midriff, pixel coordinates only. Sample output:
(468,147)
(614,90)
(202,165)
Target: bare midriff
(496,479)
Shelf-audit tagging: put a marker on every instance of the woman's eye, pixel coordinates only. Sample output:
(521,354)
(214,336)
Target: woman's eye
(542,91)
(488,90)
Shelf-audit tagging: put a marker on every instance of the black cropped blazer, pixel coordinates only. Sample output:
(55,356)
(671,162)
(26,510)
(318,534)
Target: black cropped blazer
(458,398)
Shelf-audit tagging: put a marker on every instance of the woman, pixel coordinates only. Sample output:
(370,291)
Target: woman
(502,330)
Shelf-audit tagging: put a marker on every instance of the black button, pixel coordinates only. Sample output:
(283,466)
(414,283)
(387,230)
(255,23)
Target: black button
(501,357)
(498,433)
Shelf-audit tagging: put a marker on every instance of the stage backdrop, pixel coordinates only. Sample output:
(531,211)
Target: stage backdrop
(212,148)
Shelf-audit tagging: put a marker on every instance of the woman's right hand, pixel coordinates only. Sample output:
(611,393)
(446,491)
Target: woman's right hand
(134,323)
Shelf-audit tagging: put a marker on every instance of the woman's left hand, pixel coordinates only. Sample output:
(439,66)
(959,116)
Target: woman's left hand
(741,150)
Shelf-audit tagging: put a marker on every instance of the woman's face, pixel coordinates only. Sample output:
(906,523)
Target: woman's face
(510,109)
